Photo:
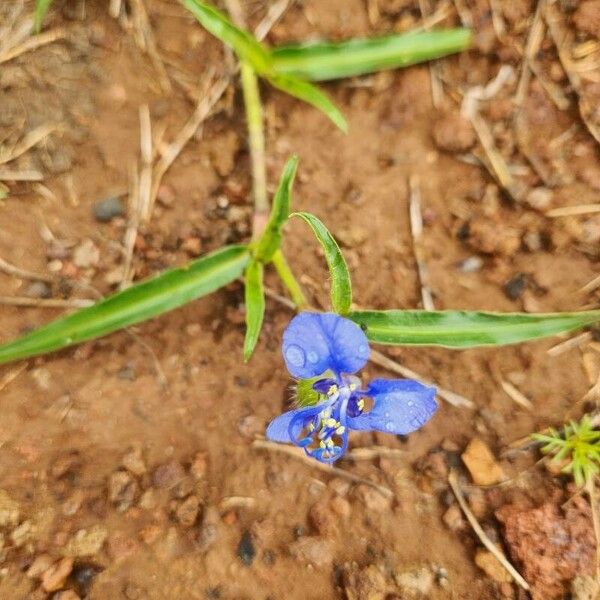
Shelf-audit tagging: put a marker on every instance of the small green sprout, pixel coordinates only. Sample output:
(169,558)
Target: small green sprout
(578,445)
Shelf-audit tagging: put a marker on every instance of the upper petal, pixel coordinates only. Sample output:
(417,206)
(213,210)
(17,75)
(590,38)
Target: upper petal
(316,342)
(399,406)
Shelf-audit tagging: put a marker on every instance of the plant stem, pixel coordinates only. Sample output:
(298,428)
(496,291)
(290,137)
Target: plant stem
(288,279)
(256,142)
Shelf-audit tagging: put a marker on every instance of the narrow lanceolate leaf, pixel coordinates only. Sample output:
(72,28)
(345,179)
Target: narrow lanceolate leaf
(322,61)
(280,211)
(41,8)
(341,287)
(135,304)
(255,306)
(310,94)
(242,42)
(464,329)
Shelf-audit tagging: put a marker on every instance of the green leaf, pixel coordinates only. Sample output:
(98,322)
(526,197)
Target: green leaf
(310,94)
(41,8)
(464,329)
(140,302)
(333,60)
(242,42)
(280,211)
(255,306)
(341,287)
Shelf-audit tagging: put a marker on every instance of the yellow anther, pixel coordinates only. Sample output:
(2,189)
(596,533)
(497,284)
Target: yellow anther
(331,423)
(330,443)
(361,404)
(311,427)
(340,430)
(332,390)
(322,445)
(352,386)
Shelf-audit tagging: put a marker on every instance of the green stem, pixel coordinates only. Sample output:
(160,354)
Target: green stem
(288,279)
(256,142)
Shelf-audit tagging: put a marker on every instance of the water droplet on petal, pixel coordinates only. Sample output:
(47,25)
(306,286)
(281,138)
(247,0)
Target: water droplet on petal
(363,351)
(387,415)
(389,425)
(295,356)
(313,357)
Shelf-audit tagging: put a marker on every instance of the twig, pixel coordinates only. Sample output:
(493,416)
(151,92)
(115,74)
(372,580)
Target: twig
(133,213)
(10,269)
(12,375)
(32,43)
(45,302)
(299,454)
(273,15)
(515,395)
(232,502)
(416,229)
(373,12)
(485,540)
(571,211)
(451,397)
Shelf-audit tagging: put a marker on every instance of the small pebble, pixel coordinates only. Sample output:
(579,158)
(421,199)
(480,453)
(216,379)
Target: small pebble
(168,475)
(245,549)
(109,208)
(122,490)
(470,265)
(514,287)
(83,575)
(55,576)
(66,595)
(187,511)
(39,566)
(39,289)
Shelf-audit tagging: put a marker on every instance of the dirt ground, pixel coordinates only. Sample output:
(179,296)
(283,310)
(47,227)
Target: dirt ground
(126,465)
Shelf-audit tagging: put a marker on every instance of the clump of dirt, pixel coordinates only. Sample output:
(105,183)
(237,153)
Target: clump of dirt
(552,543)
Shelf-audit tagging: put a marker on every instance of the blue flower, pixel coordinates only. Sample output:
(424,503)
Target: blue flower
(325,350)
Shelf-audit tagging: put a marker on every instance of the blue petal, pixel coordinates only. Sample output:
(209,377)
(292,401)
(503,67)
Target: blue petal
(278,429)
(399,406)
(316,342)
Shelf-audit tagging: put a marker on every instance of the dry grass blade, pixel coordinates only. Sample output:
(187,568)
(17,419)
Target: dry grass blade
(515,395)
(485,540)
(146,41)
(571,211)
(470,109)
(45,302)
(560,36)
(451,397)
(299,454)
(534,42)
(12,375)
(170,153)
(416,228)
(273,15)
(29,140)
(437,90)
(24,175)
(375,452)
(574,342)
(32,43)
(10,269)
(591,286)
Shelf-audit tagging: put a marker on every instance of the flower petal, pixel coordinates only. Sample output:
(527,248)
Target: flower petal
(316,342)
(278,429)
(399,406)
